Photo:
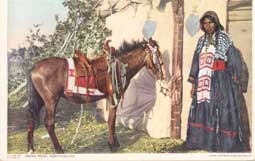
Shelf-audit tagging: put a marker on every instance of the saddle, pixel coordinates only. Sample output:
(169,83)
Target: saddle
(82,65)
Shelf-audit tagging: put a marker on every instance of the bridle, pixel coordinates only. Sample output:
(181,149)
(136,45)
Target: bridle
(152,50)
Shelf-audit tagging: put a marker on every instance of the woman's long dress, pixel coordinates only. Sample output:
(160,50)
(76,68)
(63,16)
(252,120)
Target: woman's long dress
(215,122)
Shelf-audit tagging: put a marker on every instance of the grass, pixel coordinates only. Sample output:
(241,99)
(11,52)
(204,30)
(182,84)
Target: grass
(92,136)
(18,99)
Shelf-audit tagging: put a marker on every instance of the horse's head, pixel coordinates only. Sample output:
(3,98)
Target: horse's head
(153,60)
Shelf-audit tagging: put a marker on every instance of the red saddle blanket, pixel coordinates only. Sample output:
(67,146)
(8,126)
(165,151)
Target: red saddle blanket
(84,85)
(86,82)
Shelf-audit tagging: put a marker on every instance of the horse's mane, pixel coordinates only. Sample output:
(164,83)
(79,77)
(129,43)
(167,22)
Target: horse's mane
(125,48)
(129,46)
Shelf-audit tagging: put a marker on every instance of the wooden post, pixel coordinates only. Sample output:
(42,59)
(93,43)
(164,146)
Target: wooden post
(227,19)
(176,99)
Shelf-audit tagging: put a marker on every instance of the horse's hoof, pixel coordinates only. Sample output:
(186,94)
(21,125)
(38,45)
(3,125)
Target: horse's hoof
(113,147)
(116,142)
(31,151)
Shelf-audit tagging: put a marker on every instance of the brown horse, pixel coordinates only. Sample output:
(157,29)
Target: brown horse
(47,83)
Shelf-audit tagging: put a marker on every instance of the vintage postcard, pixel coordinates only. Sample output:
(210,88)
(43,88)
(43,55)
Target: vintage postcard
(127,80)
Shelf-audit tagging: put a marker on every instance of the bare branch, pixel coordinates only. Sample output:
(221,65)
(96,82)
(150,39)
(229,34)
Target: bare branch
(114,8)
(21,86)
(98,4)
(78,125)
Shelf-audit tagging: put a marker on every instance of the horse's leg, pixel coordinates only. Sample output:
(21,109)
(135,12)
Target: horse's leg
(35,104)
(50,125)
(112,137)
(30,136)
(50,100)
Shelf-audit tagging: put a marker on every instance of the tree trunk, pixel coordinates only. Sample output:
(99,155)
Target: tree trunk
(176,98)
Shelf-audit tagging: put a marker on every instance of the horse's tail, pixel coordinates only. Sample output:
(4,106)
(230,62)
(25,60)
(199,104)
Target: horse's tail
(35,101)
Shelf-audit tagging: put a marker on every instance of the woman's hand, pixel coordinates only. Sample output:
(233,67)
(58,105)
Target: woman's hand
(192,91)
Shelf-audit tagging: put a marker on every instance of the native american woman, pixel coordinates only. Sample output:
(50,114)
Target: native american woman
(218,119)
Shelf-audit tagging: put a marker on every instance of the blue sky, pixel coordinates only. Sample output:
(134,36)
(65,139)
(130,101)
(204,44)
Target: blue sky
(22,14)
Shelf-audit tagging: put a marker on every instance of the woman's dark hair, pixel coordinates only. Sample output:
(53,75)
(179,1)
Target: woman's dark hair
(211,15)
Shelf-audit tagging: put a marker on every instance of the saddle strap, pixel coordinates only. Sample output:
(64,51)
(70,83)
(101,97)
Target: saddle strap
(118,75)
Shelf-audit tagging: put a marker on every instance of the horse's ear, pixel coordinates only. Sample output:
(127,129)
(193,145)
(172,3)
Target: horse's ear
(107,42)
(145,42)
(76,53)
